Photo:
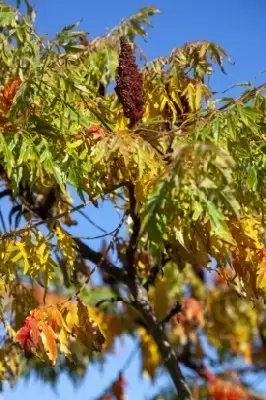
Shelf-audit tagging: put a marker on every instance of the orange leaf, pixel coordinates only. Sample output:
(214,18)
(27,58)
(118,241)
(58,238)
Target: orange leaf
(261,271)
(48,340)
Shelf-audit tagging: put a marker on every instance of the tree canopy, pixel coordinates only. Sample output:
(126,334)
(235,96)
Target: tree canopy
(184,272)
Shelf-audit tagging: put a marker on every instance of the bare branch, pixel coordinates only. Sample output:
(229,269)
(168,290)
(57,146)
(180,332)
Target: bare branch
(88,253)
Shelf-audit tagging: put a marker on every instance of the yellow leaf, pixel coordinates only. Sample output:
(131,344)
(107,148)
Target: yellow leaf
(231,321)
(164,101)
(24,255)
(70,312)
(261,274)
(159,297)
(56,318)
(198,97)
(203,49)
(17,257)
(150,353)
(63,342)
(32,252)
(66,245)
(246,232)
(89,329)
(108,324)
(141,264)
(176,99)
(189,92)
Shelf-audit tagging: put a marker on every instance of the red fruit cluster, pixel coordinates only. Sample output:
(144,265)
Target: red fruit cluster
(129,84)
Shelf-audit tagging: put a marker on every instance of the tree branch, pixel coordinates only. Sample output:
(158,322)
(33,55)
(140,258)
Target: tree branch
(143,305)
(168,354)
(95,257)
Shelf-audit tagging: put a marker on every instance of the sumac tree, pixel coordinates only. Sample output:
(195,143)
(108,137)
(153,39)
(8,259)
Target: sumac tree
(186,172)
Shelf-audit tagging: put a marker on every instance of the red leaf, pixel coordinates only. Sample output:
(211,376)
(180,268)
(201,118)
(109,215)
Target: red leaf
(96,132)
(28,336)
(118,388)
(9,91)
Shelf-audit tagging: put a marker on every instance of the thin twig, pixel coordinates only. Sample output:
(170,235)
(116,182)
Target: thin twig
(95,237)
(56,217)
(175,310)
(110,300)
(104,255)
(46,221)
(92,222)
(3,222)
(86,217)
(131,356)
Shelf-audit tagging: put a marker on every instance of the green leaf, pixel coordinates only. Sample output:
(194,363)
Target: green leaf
(232,126)
(75,144)
(252,179)
(197,210)
(71,26)
(8,16)
(218,223)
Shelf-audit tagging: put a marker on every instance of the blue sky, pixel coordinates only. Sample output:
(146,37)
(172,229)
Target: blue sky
(239,26)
